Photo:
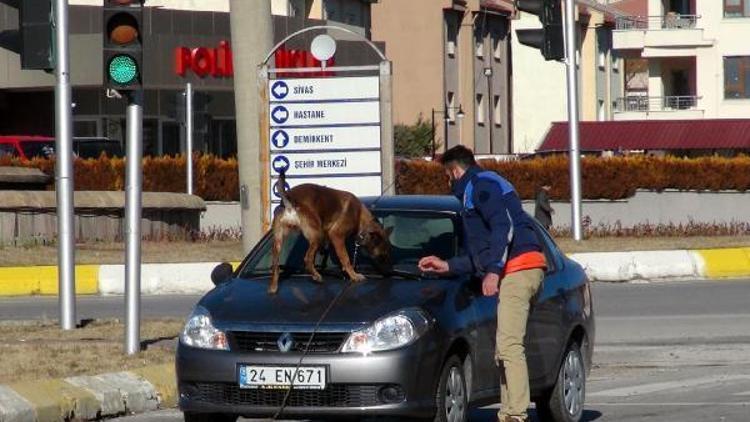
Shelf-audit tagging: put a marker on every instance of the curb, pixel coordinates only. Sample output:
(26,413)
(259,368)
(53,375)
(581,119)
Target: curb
(195,278)
(664,265)
(89,397)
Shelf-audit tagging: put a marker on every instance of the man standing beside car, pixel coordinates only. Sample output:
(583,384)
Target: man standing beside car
(501,247)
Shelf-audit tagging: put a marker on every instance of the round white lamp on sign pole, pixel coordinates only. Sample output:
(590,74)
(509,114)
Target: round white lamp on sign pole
(323,47)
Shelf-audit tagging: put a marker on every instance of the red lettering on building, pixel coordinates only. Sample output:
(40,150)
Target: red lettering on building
(204,61)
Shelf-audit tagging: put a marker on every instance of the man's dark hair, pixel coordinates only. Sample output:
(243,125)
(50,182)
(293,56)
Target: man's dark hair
(459,155)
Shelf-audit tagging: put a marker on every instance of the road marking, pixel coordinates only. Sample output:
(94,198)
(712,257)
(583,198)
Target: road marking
(669,317)
(744,393)
(663,386)
(692,404)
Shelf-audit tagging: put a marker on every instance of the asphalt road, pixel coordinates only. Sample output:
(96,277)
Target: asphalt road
(677,351)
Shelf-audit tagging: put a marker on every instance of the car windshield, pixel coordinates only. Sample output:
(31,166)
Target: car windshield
(33,149)
(414,235)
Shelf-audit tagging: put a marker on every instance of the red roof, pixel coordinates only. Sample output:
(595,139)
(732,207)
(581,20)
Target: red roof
(632,7)
(653,135)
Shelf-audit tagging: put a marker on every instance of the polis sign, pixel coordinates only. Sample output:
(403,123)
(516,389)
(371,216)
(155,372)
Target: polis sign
(204,61)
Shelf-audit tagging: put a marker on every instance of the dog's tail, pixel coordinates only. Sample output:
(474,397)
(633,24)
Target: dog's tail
(281,190)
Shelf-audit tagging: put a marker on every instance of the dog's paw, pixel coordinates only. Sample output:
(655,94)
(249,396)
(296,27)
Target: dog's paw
(317,277)
(358,277)
(272,290)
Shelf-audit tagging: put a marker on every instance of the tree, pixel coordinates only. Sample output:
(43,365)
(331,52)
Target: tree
(413,140)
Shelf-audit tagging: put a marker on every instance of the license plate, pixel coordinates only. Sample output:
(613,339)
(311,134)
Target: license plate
(282,377)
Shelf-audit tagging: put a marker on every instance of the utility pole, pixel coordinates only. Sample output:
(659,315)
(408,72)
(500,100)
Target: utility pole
(252,38)
(573,133)
(64,170)
(189,135)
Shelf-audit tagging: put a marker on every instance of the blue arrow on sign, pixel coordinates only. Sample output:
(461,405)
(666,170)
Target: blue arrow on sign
(280,115)
(280,164)
(280,90)
(280,139)
(276,191)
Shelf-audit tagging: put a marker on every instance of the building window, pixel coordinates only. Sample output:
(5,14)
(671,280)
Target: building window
(480,49)
(737,77)
(480,110)
(496,112)
(602,113)
(602,59)
(451,112)
(497,49)
(736,8)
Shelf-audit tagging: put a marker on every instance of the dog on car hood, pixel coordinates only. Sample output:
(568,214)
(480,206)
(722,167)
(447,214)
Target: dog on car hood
(321,213)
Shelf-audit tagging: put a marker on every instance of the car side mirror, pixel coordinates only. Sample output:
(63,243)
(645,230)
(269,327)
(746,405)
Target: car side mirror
(222,273)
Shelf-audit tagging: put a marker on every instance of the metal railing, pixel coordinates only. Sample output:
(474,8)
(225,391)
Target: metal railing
(671,21)
(645,104)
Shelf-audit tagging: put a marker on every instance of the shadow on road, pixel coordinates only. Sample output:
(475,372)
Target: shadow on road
(487,415)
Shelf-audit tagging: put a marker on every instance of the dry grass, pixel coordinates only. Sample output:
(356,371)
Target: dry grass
(114,253)
(41,350)
(619,244)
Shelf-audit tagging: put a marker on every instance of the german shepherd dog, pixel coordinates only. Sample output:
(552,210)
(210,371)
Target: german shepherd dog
(322,213)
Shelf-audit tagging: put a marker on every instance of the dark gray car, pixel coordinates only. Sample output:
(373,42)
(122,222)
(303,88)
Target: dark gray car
(408,345)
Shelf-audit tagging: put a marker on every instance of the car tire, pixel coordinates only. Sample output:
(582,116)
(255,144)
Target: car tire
(209,417)
(565,401)
(452,396)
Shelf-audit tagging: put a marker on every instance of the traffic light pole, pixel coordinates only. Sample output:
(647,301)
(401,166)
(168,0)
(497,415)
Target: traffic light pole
(64,171)
(575,153)
(133,190)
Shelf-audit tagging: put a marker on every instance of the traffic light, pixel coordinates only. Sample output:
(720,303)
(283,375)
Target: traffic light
(549,39)
(33,39)
(123,44)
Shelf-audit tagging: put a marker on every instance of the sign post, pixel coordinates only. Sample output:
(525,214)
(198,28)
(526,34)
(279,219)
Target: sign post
(189,115)
(133,188)
(334,131)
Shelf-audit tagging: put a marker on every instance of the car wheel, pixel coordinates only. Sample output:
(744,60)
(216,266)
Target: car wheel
(209,417)
(452,397)
(565,402)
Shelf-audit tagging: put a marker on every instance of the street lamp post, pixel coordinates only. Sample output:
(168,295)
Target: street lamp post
(459,114)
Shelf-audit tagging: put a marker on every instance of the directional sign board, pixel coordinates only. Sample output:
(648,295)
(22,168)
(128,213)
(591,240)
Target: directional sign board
(329,138)
(326,131)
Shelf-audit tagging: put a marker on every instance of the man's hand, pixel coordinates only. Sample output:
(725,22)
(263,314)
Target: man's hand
(490,285)
(433,264)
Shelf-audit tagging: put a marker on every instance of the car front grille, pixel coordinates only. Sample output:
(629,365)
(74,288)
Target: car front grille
(252,342)
(334,395)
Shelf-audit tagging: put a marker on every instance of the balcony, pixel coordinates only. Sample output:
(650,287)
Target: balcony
(673,107)
(659,36)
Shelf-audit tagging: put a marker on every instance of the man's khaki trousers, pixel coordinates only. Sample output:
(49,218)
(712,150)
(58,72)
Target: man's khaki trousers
(516,291)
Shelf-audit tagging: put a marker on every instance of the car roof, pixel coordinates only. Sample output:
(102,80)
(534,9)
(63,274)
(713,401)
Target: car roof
(16,138)
(439,203)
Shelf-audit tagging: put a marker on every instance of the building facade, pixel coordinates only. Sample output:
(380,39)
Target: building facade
(177,33)
(451,66)
(687,59)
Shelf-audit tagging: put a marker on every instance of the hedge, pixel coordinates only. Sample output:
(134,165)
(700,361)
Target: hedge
(603,178)
(215,179)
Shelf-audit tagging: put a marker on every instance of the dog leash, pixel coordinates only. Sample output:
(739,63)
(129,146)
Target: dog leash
(357,244)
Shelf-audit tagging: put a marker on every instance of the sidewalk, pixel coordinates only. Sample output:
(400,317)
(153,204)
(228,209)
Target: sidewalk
(89,397)
(195,278)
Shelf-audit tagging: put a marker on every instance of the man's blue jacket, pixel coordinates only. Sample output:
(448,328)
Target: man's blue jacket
(496,228)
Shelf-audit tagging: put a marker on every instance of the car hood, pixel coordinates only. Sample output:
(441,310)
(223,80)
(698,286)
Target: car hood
(302,301)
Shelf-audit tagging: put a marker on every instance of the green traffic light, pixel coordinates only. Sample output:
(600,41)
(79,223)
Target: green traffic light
(123,70)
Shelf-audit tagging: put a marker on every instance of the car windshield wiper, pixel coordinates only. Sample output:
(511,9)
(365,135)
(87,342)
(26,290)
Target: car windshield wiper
(394,273)
(284,270)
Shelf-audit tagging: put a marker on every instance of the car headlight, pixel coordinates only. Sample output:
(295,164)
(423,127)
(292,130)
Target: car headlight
(390,332)
(200,332)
